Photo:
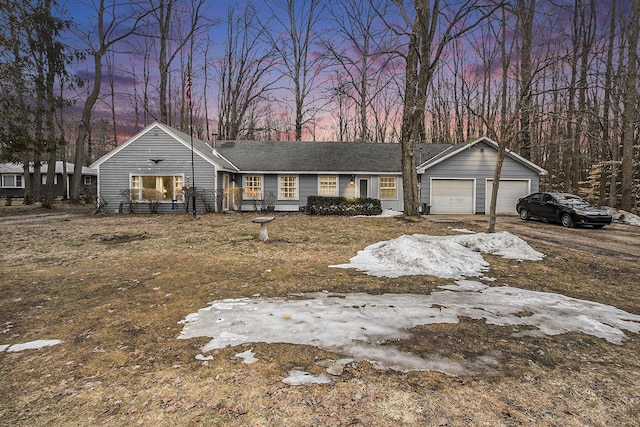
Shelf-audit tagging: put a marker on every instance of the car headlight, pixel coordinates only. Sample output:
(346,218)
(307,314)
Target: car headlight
(580,212)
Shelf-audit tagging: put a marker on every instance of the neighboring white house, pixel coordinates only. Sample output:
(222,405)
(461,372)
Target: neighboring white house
(152,169)
(12,182)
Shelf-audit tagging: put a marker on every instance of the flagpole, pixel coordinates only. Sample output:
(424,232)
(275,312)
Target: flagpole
(193,170)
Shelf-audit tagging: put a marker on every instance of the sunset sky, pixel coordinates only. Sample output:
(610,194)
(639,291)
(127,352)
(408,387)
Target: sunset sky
(552,26)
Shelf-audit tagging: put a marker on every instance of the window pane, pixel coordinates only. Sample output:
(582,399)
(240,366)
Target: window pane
(288,187)
(388,188)
(178,191)
(18,179)
(165,187)
(161,188)
(135,188)
(9,180)
(252,187)
(328,185)
(149,188)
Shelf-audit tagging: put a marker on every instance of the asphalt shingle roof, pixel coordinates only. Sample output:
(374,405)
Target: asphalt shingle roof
(319,156)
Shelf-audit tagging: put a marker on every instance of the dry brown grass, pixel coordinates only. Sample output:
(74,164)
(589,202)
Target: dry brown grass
(114,288)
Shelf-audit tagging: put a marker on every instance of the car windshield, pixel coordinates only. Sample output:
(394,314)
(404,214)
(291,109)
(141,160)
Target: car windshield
(570,199)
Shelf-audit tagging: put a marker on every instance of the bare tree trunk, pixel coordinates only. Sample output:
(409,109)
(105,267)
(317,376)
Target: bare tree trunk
(526,12)
(27,197)
(165,8)
(504,138)
(84,128)
(407,132)
(630,113)
(606,108)
(205,90)
(615,143)
(587,24)
(52,63)
(63,152)
(569,153)
(114,122)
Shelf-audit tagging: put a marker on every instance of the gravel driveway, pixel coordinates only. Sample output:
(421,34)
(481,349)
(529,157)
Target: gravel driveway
(620,241)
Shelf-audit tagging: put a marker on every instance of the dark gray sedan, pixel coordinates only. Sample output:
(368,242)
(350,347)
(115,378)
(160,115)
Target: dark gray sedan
(564,208)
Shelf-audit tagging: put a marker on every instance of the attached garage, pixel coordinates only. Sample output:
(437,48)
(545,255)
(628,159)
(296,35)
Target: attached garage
(508,194)
(458,179)
(452,196)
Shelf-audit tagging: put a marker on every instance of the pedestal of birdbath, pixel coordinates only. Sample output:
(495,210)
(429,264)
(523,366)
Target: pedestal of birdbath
(263,221)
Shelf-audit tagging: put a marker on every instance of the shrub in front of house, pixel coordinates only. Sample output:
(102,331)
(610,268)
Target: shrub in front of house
(320,205)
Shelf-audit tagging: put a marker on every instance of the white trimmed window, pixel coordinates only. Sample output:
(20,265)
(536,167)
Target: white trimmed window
(388,187)
(158,188)
(12,181)
(288,187)
(87,179)
(252,187)
(43,178)
(328,185)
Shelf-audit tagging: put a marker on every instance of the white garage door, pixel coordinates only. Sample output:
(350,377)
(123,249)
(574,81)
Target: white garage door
(508,194)
(452,196)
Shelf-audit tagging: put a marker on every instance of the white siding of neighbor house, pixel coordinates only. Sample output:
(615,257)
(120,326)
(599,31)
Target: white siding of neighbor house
(133,159)
(476,162)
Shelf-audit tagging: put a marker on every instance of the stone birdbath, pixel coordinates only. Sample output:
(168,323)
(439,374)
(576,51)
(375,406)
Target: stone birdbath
(263,221)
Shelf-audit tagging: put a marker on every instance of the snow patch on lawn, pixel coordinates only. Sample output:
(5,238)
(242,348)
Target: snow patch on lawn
(363,326)
(298,377)
(247,357)
(452,257)
(357,324)
(386,213)
(31,345)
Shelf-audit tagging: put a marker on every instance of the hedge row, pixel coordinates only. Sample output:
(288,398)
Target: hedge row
(318,205)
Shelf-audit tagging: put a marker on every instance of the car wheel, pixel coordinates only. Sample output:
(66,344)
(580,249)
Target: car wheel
(524,214)
(566,220)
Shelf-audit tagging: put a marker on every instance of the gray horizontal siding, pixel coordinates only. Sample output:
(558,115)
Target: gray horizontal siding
(477,162)
(308,186)
(134,159)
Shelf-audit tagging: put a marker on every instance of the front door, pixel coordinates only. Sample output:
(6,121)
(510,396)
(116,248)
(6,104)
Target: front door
(363,186)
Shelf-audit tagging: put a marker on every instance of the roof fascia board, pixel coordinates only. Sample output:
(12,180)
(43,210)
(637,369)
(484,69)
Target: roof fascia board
(318,172)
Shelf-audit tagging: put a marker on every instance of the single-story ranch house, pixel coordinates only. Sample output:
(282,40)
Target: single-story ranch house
(12,179)
(152,170)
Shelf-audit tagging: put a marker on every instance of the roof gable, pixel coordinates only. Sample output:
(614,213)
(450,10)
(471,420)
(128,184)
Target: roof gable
(455,149)
(200,148)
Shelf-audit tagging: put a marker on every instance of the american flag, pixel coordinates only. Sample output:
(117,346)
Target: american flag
(188,93)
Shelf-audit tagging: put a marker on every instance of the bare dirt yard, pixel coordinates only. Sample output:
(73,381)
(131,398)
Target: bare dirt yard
(113,289)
